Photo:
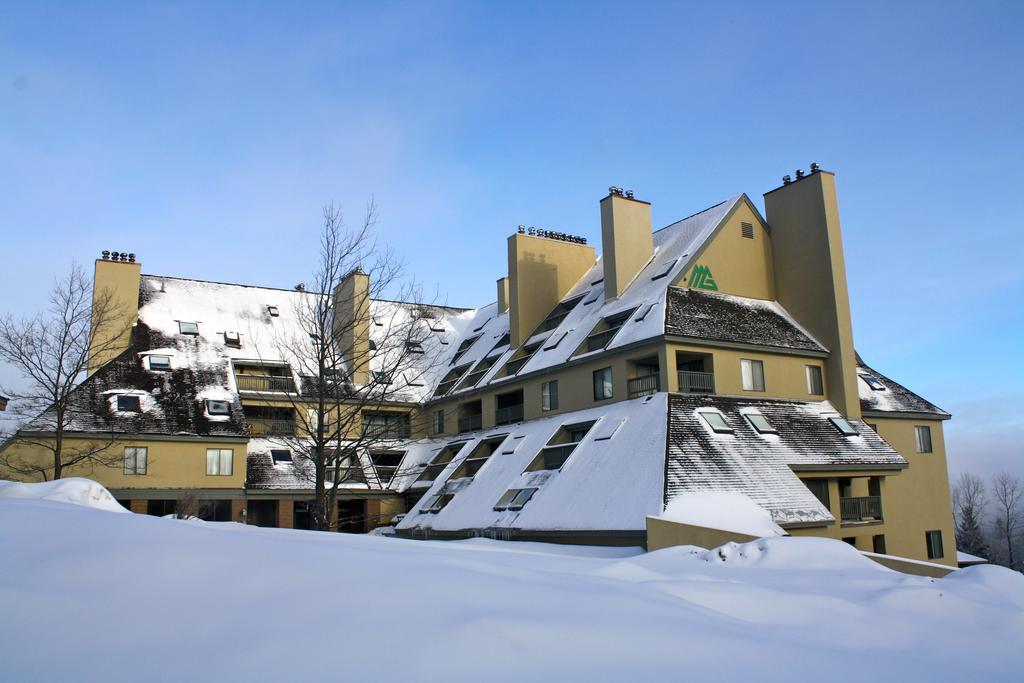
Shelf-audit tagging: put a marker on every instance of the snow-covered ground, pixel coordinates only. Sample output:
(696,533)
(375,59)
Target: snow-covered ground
(90,595)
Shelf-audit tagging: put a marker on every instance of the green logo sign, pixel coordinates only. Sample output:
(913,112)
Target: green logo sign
(701,278)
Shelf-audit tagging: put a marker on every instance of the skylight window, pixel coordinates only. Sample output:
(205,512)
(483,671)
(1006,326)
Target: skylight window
(843,426)
(760,423)
(188,328)
(218,407)
(129,403)
(873,382)
(716,421)
(280,456)
(272,310)
(232,339)
(159,362)
(514,499)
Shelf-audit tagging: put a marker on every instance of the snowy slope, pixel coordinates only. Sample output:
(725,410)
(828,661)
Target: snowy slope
(92,596)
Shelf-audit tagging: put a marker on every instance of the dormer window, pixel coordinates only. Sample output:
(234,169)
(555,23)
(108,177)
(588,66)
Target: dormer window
(438,502)
(559,313)
(605,331)
(514,499)
(218,407)
(760,423)
(160,363)
(523,357)
(188,328)
(281,456)
(272,310)
(232,339)
(843,426)
(129,403)
(558,449)
(463,347)
(414,347)
(716,421)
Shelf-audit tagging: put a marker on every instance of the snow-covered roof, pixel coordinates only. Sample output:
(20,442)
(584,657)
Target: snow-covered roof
(879,394)
(612,480)
(761,465)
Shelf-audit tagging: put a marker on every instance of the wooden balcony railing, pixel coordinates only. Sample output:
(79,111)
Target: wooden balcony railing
(504,416)
(259,426)
(642,386)
(265,383)
(470,423)
(696,382)
(865,508)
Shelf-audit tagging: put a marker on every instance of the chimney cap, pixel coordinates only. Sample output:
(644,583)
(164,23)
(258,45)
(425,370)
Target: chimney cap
(815,167)
(799,173)
(786,180)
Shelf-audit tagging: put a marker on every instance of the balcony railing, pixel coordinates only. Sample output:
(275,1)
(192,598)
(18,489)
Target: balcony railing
(696,382)
(865,508)
(259,426)
(398,430)
(504,416)
(265,383)
(470,423)
(642,386)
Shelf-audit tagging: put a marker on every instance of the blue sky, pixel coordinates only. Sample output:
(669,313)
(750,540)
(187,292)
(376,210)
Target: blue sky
(205,137)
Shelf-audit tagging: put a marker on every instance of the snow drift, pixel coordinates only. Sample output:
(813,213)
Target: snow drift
(164,600)
(724,510)
(78,491)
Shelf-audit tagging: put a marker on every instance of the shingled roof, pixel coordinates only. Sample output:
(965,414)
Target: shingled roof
(734,319)
(889,396)
(761,466)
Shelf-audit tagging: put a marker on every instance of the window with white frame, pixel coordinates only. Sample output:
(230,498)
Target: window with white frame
(218,407)
(752,374)
(549,395)
(716,421)
(136,459)
(815,381)
(219,461)
(159,362)
(514,499)
(188,327)
(760,423)
(923,437)
(843,426)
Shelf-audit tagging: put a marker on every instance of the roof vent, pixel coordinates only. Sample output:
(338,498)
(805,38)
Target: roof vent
(799,173)
(815,168)
(301,287)
(786,180)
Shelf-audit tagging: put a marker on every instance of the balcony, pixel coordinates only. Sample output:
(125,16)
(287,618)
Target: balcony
(470,423)
(259,426)
(863,509)
(643,386)
(505,416)
(696,382)
(265,383)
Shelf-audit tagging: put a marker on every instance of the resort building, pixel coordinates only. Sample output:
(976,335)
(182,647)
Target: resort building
(713,354)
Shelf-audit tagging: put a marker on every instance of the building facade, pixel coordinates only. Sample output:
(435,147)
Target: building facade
(714,354)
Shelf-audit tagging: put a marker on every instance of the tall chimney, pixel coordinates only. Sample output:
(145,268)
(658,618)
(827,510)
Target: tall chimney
(502,295)
(810,274)
(115,306)
(351,301)
(627,242)
(541,271)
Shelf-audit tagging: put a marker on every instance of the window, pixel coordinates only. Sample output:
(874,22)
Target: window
(477,457)
(272,310)
(135,460)
(747,230)
(873,383)
(385,464)
(878,544)
(438,502)
(934,541)
(450,380)
(344,469)
(874,427)
(232,339)
(188,328)
(549,395)
(219,461)
(218,407)
(923,437)
(159,362)
(281,455)
(752,373)
(129,403)
(843,426)
(514,499)
(440,461)
(606,330)
(463,347)
(556,316)
(716,421)
(414,347)
(439,421)
(380,377)
(815,383)
(603,387)
(521,358)
(758,421)
(386,425)
(561,445)
(819,487)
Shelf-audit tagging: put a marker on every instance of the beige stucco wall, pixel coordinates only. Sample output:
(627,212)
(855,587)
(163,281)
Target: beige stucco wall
(627,243)
(662,533)
(739,265)
(541,271)
(117,284)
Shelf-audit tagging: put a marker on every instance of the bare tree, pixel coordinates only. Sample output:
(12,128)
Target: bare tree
(1008,499)
(969,503)
(51,350)
(357,358)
